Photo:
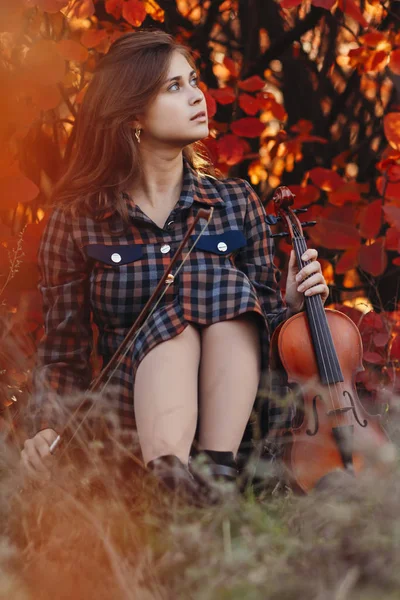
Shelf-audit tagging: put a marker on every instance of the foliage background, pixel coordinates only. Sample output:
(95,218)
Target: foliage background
(299,93)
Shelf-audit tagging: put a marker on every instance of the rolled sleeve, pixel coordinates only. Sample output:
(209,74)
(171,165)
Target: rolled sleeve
(63,355)
(256,260)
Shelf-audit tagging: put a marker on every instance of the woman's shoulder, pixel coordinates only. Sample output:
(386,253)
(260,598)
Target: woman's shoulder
(233,188)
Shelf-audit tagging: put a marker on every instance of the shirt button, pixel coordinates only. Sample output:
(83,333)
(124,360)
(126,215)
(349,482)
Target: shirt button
(165,248)
(169,225)
(116,257)
(170,278)
(222,247)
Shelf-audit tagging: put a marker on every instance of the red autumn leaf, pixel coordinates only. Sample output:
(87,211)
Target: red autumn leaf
(373,38)
(93,37)
(334,235)
(392,190)
(394,63)
(277,110)
(373,258)
(348,260)
(114,8)
(392,214)
(349,7)
(326,179)
(393,173)
(232,67)
(376,61)
(72,50)
(249,104)
(372,321)
(289,3)
(391,125)
(371,219)
(211,105)
(396,261)
(224,95)
(212,147)
(374,358)
(395,348)
(348,192)
(324,3)
(392,238)
(248,127)
(252,84)
(16,188)
(304,195)
(381,339)
(134,11)
(231,149)
(302,126)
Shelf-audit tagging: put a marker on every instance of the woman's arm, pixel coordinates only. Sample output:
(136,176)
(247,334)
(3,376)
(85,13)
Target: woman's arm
(256,259)
(63,357)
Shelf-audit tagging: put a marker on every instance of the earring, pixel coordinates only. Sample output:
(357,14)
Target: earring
(137,134)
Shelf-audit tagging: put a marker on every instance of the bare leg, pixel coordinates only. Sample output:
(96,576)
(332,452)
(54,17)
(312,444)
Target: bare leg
(230,371)
(166,396)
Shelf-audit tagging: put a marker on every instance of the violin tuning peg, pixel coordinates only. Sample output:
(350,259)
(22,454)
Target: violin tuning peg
(309,223)
(273,220)
(280,235)
(300,210)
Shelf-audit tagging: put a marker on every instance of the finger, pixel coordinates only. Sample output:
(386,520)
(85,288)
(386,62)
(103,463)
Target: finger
(43,450)
(316,289)
(310,254)
(308,283)
(314,267)
(36,460)
(49,435)
(27,467)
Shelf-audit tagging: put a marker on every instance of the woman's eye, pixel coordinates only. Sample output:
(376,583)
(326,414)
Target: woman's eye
(194,79)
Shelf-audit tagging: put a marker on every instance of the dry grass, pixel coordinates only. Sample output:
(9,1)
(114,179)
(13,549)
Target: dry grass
(102,529)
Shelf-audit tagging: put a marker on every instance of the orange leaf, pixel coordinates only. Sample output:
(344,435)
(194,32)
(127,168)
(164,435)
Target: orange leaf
(373,258)
(93,37)
(72,50)
(134,11)
(326,179)
(46,97)
(302,126)
(394,64)
(252,84)
(248,127)
(349,7)
(391,124)
(371,219)
(14,189)
(114,8)
(249,104)
(155,11)
(348,260)
(44,64)
(224,95)
(373,38)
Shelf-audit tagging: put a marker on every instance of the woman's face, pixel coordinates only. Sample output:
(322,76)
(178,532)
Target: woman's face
(169,118)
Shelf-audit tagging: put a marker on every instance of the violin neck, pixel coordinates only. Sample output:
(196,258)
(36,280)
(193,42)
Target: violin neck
(325,353)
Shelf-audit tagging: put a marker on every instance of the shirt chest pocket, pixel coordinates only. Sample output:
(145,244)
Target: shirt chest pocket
(222,244)
(114,255)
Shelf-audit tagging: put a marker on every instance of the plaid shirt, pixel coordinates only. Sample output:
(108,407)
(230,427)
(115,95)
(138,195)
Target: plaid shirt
(89,271)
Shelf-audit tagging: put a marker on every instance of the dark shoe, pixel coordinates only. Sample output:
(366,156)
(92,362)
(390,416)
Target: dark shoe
(222,465)
(175,476)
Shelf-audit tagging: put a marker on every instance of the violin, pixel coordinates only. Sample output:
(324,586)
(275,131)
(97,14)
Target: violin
(319,352)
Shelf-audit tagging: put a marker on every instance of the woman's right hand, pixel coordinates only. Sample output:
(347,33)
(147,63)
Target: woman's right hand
(36,459)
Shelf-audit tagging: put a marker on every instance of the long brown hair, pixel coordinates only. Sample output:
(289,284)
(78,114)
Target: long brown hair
(106,159)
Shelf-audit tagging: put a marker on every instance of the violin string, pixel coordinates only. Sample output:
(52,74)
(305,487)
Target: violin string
(314,315)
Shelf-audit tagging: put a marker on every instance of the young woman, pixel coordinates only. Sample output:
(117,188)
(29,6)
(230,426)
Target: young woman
(133,187)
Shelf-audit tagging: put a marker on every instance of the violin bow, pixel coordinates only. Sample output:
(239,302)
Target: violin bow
(135,329)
